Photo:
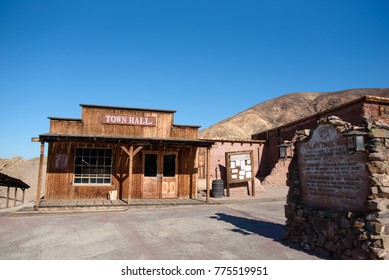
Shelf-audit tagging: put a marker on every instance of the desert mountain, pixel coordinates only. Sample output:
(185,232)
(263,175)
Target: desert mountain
(282,110)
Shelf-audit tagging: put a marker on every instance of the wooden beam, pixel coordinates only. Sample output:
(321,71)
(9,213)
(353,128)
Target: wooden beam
(38,190)
(252,173)
(7,204)
(208,173)
(126,150)
(137,150)
(16,196)
(131,156)
(24,192)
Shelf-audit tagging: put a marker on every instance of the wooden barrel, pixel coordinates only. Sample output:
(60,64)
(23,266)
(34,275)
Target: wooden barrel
(217,188)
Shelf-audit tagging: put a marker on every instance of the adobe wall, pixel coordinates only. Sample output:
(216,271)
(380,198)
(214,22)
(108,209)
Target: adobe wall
(218,163)
(353,113)
(338,201)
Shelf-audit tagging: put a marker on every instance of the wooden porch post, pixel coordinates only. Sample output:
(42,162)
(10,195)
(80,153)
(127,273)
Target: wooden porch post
(130,165)
(16,196)
(131,153)
(7,204)
(38,191)
(208,173)
(24,192)
(252,174)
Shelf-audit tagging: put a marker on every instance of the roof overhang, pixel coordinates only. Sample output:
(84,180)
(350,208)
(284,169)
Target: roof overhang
(50,137)
(8,181)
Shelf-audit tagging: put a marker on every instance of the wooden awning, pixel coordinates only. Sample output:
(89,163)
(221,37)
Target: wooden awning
(50,137)
(8,181)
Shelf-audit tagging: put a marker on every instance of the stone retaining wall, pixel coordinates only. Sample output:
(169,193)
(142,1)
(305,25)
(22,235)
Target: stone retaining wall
(342,234)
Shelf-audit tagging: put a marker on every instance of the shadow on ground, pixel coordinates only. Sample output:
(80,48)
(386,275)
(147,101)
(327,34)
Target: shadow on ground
(247,226)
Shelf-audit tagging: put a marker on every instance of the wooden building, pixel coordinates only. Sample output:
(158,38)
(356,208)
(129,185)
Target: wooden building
(129,152)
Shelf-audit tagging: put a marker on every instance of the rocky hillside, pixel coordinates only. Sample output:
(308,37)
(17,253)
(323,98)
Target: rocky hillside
(282,110)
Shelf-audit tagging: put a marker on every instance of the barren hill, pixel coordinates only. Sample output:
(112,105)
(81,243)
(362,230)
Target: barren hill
(282,110)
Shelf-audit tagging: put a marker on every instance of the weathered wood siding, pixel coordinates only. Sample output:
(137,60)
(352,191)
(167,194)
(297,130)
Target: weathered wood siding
(92,124)
(66,126)
(59,181)
(184,132)
(187,180)
(60,184)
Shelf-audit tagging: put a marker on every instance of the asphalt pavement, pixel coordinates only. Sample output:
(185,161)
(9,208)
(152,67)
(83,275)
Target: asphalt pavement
(250,229)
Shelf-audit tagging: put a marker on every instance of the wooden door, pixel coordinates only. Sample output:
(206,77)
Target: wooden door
(150,175)
(169,175)
(159,175)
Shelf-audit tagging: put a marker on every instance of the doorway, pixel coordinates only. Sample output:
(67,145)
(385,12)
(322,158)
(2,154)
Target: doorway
(159,178)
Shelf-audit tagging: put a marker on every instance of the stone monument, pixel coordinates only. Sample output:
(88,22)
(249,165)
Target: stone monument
(338,199)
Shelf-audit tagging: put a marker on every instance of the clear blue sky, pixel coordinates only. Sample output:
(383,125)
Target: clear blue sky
(206,59)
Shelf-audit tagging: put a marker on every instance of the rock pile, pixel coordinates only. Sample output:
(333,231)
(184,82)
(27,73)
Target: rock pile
(338,234)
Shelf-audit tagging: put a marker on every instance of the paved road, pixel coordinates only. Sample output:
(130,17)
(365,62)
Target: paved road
(245,229)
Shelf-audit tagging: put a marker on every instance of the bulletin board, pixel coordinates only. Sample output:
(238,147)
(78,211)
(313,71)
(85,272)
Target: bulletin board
(239,166)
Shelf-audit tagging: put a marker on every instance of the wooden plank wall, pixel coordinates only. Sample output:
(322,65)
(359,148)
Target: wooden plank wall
(184,132)
(59,183)
(187,180)
(92,124)
(66,127)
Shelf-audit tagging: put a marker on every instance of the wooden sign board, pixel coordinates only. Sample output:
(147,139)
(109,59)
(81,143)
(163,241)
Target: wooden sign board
(239,166)
(128,120)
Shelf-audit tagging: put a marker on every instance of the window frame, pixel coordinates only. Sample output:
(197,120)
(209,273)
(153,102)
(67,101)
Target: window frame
(93,166)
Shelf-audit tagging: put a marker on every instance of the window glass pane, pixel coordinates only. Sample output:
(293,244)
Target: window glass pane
(169,165)
(77,170)
(100,152)
(86,152)
(93,161)
(359,143)
(78,160)
(85,161)
(150,165)
(90,163)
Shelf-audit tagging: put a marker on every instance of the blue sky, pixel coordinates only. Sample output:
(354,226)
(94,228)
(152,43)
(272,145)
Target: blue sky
(206,59)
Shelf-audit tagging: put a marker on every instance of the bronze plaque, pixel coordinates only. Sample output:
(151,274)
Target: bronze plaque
(331,176)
